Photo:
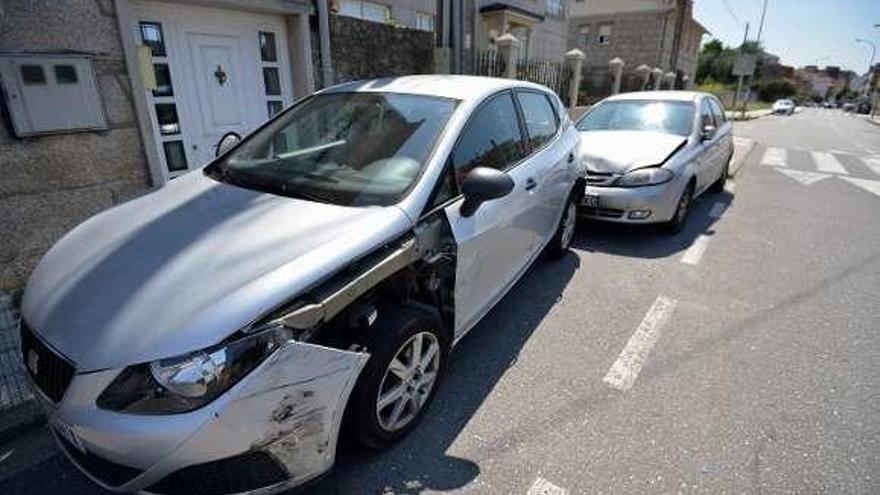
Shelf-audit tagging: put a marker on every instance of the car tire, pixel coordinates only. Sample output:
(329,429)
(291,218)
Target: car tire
(560,244)
(718,185)
(682,210)
(396,328)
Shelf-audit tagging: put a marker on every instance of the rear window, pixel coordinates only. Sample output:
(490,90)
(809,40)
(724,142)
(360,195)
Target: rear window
(669,117)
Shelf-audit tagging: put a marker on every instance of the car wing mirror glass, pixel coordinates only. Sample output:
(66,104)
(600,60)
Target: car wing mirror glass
(708,132)
(227,142)
(483,184)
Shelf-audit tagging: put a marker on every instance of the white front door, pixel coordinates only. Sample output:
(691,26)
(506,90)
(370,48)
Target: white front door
(224,94)
(217,71)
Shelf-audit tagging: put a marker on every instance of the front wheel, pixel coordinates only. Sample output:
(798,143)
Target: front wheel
(561,242)
(675,225)
(409,351)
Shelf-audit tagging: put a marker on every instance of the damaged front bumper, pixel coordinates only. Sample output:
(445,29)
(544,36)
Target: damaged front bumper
(275,429)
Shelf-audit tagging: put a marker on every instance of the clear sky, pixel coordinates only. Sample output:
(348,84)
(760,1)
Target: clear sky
(800,32)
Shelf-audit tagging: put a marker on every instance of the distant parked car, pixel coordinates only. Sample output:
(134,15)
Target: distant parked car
(829,104)
(648,155)
(211,336)
(848,107)
(783,107)
(863,107)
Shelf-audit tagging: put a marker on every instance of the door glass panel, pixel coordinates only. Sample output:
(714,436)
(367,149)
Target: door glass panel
(151,35)
(271,80)
(267,47)
(175,156)
(166,115)
(163,80)
(492,138)
(539,117)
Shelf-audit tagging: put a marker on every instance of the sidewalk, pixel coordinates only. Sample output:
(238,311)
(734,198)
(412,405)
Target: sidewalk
(752,114)
(18,411)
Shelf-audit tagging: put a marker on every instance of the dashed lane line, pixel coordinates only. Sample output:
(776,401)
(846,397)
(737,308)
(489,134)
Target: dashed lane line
(717,210)
(544,487)
(694,253)
(774,156)
(623,373)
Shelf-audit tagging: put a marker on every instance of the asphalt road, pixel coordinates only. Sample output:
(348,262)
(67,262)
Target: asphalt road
(740,356)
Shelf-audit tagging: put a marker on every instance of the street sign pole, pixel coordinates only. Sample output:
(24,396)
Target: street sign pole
(740,79)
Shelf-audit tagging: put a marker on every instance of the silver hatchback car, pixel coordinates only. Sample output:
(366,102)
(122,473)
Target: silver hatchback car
(211,336)
(649,154)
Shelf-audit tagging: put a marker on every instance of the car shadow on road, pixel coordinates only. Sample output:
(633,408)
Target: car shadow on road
(421,460)
(649,241)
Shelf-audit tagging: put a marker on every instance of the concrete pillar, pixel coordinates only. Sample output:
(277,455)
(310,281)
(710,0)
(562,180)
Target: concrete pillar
(506,44)
(657,74)
(670,80)
(686,82)
(645,73)
(615,65)
(575,60)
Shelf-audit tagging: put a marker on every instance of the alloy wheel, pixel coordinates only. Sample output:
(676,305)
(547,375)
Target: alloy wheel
(408,381)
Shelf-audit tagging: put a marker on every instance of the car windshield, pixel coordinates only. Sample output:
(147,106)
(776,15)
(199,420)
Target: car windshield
(352,149)
(670,117)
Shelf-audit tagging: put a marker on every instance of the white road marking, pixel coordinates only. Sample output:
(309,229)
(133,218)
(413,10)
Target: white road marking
(872,186)
(623,373)
(838,152)
(873,163)
(717,210)
(774,156)
(805,178)
(730,186)
(826,162)
(544,487)
(694,254)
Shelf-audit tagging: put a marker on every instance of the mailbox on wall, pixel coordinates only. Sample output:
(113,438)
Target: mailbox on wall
(50,93)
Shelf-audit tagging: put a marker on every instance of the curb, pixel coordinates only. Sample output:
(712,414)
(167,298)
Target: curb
(742,147)
(873,121)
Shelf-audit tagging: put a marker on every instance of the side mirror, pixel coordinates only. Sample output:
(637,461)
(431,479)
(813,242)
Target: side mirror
(227,142)
(708,132)
(483,184)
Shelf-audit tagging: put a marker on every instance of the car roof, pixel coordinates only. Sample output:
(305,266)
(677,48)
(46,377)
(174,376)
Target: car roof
(448,86)
(660,95)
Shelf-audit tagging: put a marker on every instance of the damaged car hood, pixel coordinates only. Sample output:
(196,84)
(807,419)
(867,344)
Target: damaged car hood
(622,151)
(181,268)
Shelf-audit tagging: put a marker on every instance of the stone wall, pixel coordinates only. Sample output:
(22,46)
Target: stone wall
(365,50)
(51,183)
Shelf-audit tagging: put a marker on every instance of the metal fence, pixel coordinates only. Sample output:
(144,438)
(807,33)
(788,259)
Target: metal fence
(489,63)
(554,75)
(551,74)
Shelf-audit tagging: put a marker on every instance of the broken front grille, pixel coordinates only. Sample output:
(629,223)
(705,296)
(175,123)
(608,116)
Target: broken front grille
(51,372)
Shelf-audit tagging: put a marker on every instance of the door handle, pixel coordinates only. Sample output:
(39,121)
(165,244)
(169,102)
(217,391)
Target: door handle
(531,184)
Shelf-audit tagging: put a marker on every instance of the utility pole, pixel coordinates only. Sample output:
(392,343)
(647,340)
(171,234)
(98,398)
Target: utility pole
(761,24)
(739,82)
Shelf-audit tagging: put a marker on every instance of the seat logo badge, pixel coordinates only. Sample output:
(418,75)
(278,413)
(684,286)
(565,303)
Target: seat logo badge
(220,75)
(33,361)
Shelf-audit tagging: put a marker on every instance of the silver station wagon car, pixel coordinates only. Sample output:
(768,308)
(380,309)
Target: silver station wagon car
(212,336)
(649,154)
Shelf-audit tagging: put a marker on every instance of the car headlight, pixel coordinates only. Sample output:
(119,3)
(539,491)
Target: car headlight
(184,383)
(644,177)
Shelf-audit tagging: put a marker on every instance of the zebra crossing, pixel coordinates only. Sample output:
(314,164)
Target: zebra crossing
(808,167)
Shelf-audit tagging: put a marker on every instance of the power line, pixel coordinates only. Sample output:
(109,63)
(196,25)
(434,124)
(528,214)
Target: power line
(731,12)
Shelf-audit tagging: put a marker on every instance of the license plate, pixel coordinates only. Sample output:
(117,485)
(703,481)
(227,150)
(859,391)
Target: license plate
(66,432)
(591,200)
